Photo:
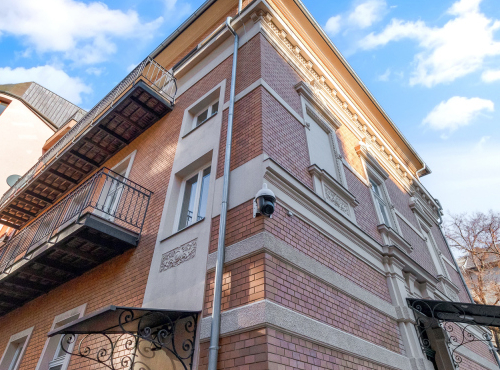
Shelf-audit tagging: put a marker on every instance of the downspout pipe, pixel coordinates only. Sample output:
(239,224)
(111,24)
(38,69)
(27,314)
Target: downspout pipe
(219,268)
(492,348)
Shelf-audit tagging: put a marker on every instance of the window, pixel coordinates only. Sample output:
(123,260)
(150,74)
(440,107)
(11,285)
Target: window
(321,146)
(206,114)
(380,202)
(14,351)
(194,200)
(3,106)
(53,356)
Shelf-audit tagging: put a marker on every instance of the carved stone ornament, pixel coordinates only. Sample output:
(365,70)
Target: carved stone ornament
(337,201)
(178,255)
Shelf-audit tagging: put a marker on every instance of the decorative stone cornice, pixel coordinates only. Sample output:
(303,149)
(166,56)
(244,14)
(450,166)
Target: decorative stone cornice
(330,89)
(392,237)
(417,208)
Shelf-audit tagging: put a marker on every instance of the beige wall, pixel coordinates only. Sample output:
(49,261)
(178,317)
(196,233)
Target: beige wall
(22,136)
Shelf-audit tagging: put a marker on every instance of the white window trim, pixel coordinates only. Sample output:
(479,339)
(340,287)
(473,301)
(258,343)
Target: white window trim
(189,119)
(24,337)
(77,311)
(210,114)
(178,211)
(434,251)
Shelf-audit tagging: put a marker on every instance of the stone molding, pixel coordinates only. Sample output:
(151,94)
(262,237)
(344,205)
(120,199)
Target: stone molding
(269,314)
(306,92)
(268,243)
(392,237)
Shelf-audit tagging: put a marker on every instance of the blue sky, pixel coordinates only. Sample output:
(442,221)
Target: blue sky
(434,66)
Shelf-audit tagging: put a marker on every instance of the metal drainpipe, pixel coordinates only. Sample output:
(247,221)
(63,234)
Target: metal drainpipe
(492,348)
(215,329)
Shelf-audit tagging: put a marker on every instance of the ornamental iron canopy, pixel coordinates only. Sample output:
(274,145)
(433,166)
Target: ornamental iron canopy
(129,338)
(456,319)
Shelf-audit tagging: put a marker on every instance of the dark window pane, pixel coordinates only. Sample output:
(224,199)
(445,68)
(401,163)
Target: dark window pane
(188,202)
(202,117)
(215,108)
(202,207)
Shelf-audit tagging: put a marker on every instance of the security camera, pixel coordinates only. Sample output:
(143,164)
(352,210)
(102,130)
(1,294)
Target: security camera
(264,202)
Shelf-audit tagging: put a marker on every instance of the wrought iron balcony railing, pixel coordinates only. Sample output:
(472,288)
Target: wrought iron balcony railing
(107,195)
(149,71)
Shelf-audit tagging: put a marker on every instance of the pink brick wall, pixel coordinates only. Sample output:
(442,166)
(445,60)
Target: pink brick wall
(301,292)
(311,242)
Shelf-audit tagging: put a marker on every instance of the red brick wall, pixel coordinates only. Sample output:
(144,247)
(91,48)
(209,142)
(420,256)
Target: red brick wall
(122,280)
(241,351)
(301,292)
(470,365)
(280,76)
(314,244)
(366,215)
(266,277)
(285,139)
(290,352)
(481,348)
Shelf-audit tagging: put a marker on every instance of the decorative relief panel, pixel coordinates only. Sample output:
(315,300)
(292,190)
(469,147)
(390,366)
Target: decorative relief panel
(337,201)
(178,255)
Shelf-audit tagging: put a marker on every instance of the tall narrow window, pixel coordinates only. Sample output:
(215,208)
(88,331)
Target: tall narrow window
(14,351)
(380,202)
(194,200)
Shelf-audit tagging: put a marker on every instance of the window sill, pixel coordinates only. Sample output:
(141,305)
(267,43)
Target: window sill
(393,237)
(201,124)
(181,230)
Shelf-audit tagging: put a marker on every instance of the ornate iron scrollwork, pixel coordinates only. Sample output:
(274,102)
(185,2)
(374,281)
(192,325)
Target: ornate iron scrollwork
(455,324)
(133,343)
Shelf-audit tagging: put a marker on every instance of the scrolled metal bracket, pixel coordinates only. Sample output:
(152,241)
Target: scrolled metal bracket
(455,325)
(133,344)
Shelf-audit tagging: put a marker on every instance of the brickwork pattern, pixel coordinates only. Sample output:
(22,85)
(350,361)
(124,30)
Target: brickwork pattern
(366,215)
(318,246)
(243,283)
(266,277)
(285,139)
(470,365)
(290,352)
(240,224)
(301,292)
(401,200)
(347,142)
(280,75)
(122,280)
(481,348)
(245,351)
(455,279)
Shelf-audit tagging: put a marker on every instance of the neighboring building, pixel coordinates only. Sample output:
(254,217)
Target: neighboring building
(124,211)
(29,115)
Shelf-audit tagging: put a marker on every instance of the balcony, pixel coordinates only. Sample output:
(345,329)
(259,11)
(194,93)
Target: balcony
(135,104)
(97,221)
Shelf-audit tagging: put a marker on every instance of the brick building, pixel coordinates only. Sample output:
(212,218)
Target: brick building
(115,257)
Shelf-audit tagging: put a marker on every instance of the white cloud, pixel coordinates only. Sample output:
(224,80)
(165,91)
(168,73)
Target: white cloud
(94,71)
(82,32)
(465,176)
(367,13)
(333,25)
(385,76)
(52,78)
(364,15)
(449,52)
(491,75)
(456,112)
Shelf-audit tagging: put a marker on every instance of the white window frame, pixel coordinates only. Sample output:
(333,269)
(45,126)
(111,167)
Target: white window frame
(52,344)
(210,113)
(124,166)
(198,173)
(436,255)
(15,349)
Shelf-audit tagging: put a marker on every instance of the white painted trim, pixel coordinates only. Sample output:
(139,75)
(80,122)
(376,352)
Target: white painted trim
(80,311)
(269,314)
(270,90)
(266,242)
(24,336)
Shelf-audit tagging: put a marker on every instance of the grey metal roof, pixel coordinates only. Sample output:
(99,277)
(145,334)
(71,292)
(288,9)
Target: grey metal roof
(51,105)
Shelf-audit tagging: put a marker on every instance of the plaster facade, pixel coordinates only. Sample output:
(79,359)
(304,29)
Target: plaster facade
(323,283)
